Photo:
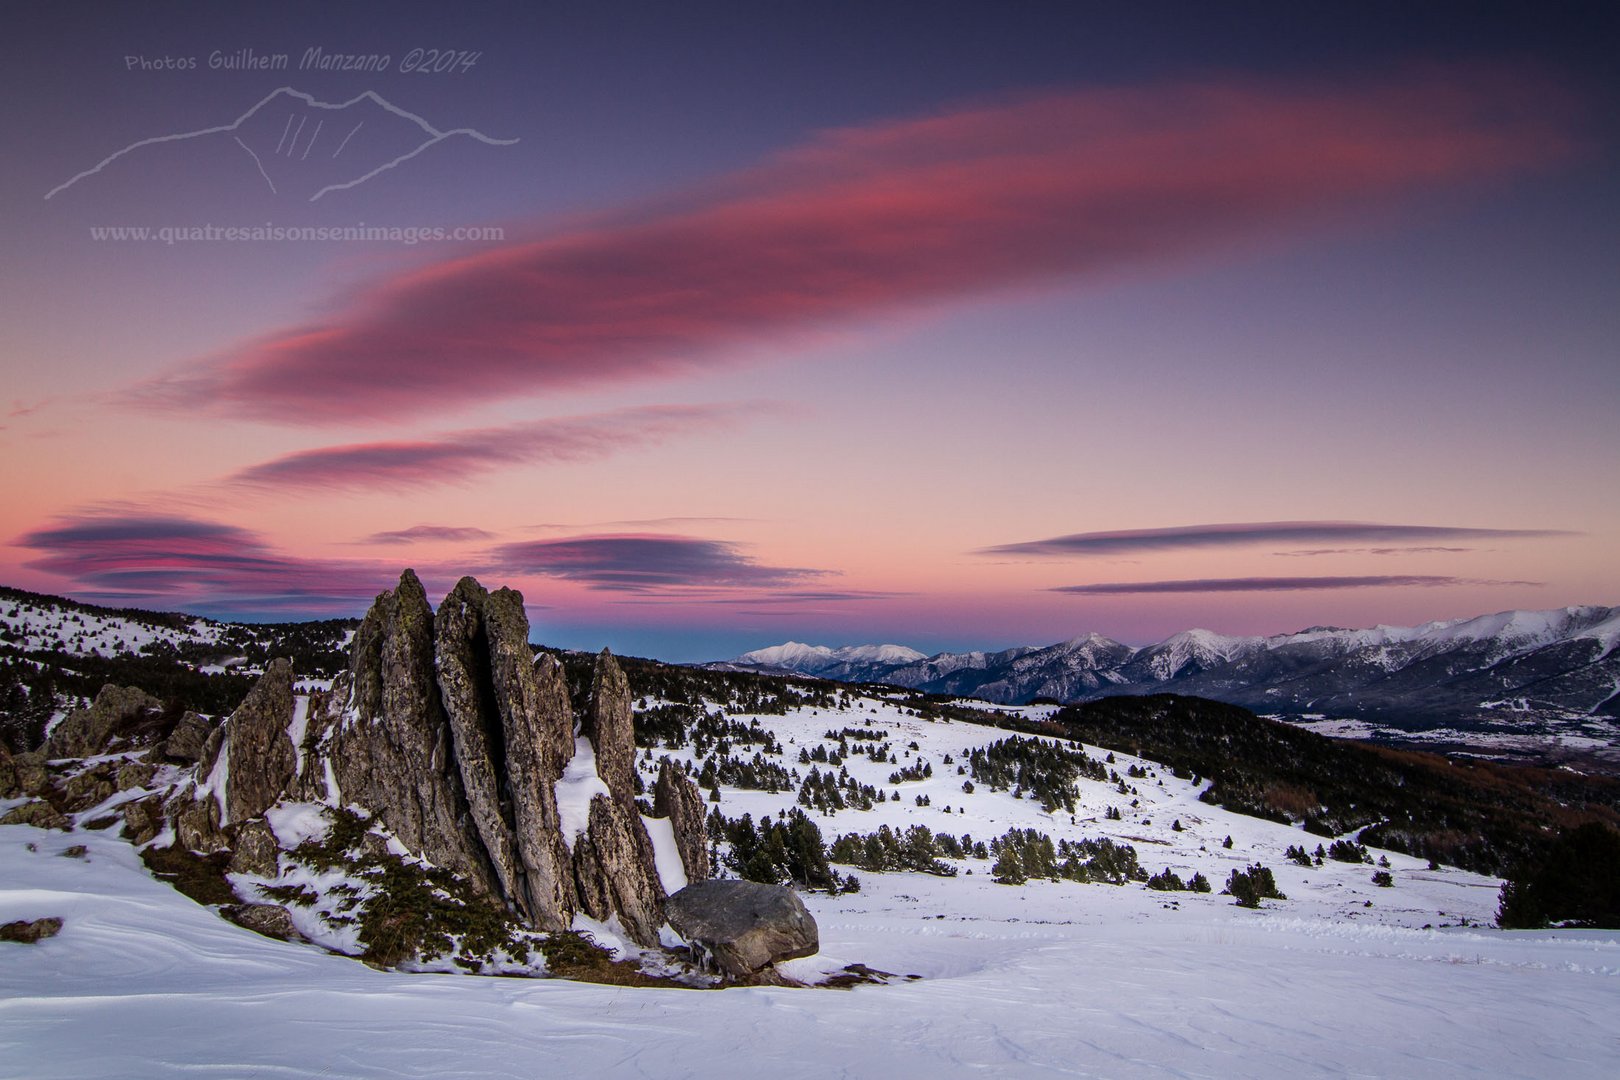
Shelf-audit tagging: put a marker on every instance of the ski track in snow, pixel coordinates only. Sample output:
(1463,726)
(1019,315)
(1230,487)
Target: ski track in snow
(1044,980)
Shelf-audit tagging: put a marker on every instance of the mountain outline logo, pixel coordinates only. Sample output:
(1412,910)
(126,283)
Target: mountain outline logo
(306,150)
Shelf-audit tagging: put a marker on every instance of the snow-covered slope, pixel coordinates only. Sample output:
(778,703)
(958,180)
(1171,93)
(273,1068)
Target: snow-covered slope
(35,623)
(1044,979)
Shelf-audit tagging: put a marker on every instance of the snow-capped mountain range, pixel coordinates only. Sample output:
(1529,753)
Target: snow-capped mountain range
(1518,667)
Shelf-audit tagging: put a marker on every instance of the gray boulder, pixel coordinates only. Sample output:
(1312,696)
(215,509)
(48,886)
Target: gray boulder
(143,819)
(196,822)
(271,920)
(86,789)
(135,774)
(28,932)
(743,927)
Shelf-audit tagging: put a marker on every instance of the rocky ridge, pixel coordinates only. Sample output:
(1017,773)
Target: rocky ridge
(453,744)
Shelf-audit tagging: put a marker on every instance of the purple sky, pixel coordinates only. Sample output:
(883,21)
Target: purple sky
(954,325)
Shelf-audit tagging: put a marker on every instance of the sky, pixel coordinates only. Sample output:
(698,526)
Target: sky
(711,326)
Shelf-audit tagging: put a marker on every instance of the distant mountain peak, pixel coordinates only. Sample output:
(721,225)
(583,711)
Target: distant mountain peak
(1519,667)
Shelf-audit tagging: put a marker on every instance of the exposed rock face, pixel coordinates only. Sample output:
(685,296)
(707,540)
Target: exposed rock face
(185,742)
(532,714)
(89,787)
(676,797)
(467,689)
(29,774)
(254,850)
(608,725)
(557,710)
(261,756)
(614,869)
(503,722)
(742,926)
(614,866)
(90,731)
(143,819)
(135,774)
(196,823)
(391,752)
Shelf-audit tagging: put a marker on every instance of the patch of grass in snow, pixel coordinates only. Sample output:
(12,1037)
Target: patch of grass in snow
(575,954)
(201,877)
(406,910)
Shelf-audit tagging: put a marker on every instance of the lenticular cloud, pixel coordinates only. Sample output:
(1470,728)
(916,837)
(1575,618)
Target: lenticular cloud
(869,221)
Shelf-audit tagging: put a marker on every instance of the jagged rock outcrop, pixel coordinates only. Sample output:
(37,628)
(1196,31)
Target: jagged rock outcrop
(676,797)
(390,747)
(504,721)
(615,873)
(743,927)
(453,735)
(534,714)
(261,758)
(609,726)
(615,867)
(467,690)
(558,711)
(85,732)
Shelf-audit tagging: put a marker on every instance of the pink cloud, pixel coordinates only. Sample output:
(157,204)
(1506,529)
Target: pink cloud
(647,563)
(457,455)
(1279,584)
(198,565)
(1238,534)
(868,221)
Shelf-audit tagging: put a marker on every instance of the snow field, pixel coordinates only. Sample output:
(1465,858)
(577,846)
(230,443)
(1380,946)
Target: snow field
(1046,979)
